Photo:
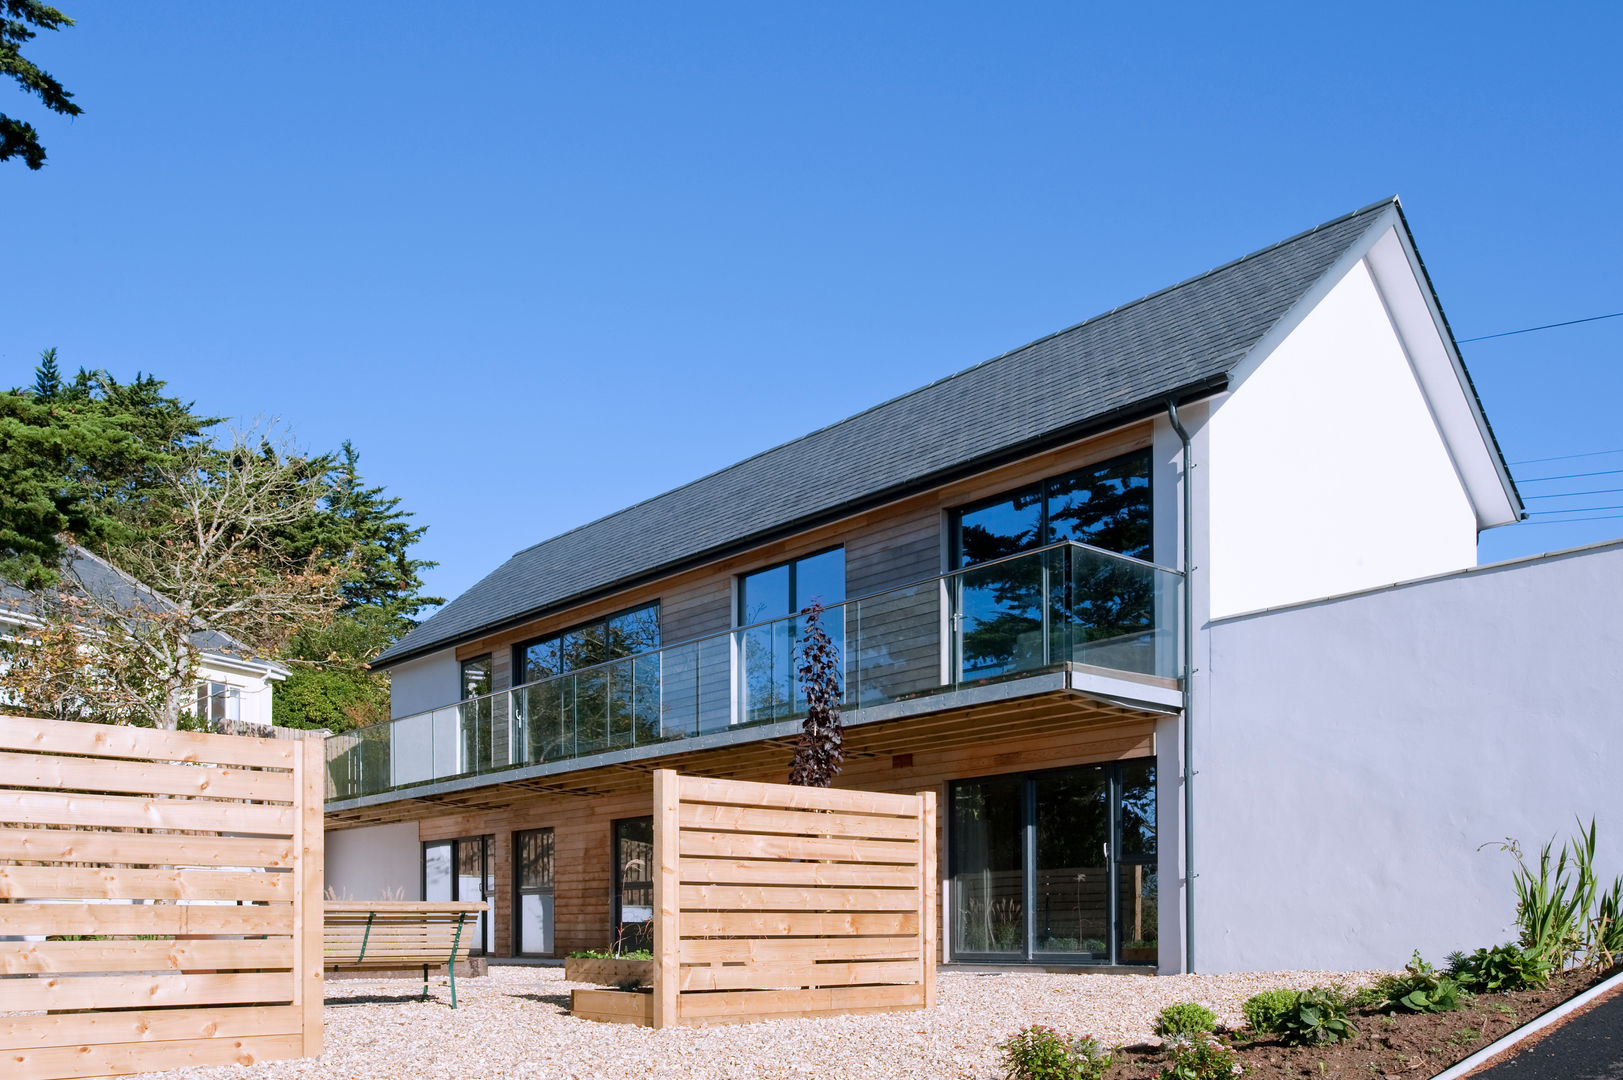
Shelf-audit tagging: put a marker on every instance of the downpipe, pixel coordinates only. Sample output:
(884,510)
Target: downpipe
(1188,692)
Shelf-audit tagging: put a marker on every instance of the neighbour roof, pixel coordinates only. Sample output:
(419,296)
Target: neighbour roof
(1181,340)
(87,573)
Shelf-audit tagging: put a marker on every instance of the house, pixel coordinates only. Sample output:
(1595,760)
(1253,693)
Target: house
(234,684)
(1177,610)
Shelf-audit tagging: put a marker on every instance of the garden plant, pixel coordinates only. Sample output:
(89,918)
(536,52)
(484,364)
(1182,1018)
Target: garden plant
(1042,1053)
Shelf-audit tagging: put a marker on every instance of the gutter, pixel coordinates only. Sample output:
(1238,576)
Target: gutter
(1188,692)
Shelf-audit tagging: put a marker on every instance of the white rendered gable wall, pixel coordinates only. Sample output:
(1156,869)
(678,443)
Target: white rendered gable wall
(1327,472)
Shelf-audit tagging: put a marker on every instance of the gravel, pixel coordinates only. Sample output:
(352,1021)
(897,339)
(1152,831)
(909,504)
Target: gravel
(514,1024)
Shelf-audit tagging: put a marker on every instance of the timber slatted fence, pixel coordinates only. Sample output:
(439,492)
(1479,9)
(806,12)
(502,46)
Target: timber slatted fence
(773,901)
(160,899)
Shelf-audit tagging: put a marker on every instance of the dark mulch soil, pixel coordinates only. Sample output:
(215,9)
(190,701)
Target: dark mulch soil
(1406,1045)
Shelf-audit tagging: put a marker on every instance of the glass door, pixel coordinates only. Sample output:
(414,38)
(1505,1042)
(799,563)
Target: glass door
(464,869)
(532,914)
(633,885)
(1055,867)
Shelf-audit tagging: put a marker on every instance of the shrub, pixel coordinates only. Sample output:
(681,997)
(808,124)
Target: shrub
(1202,1059)
(1041,1053)
(1318,1015)
(609,954)
(1500,969)
(1263,1011)
(1184,1019)
(1420,989)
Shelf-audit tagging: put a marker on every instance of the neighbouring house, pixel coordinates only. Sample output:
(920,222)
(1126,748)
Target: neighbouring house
(1177,610)
(233,684)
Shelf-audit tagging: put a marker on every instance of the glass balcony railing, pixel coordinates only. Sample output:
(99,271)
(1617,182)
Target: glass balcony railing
(1027,613)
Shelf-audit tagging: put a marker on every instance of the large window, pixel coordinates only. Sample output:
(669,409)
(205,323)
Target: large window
(767,651)
(464,869)
(1056,865)
(533,911)
(476,714)
(610,638)
(612,700)
(219,706)
(1012,616)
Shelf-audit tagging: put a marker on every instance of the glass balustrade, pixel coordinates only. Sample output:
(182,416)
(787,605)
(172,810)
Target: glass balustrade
(1068,604)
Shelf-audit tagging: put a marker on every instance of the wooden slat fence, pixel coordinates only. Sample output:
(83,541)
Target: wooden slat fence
(775,901)
(160,899)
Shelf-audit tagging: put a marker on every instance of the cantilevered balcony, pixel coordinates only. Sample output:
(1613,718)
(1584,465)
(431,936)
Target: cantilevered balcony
(1080,611)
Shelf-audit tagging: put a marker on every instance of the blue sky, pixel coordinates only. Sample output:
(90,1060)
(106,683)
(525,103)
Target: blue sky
(541,261)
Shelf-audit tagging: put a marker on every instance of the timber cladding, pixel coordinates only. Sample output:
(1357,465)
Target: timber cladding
(773,901)
(161,897)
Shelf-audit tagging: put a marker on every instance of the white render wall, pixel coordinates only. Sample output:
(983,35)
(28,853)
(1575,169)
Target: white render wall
(425,683)
(378,862)
(1354,754)
(1327,472)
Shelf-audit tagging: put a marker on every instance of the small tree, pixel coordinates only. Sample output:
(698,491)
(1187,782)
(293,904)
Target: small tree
(821,746)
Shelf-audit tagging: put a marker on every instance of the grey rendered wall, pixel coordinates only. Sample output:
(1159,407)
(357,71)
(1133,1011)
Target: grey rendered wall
(379,862)
(1355,754)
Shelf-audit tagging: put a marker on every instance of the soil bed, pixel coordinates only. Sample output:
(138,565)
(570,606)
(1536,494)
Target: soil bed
(1387,1044)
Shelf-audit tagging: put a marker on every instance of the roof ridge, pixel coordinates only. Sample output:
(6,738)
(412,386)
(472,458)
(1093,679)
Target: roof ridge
(1304,234)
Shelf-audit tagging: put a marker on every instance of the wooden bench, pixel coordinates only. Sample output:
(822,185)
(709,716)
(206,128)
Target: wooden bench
(363,935)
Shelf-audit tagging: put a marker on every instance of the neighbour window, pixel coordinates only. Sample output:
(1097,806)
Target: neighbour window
(219,704)
(1106,505)
(625,634)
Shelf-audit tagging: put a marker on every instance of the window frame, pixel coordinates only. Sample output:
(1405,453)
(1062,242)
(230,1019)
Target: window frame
(792,565)
(519,892)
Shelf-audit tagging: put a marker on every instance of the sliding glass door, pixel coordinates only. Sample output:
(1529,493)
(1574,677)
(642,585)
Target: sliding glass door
(1056,867)
(464,869)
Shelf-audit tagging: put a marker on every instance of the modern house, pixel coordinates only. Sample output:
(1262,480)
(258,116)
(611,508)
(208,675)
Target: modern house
(1101,593)
(234,684)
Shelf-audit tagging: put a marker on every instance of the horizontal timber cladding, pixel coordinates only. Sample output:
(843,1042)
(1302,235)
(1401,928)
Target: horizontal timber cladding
(918,754)
(739,919)
(162,892)
(887,547)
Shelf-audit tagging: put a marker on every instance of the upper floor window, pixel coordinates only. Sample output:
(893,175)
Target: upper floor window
(1106,504)
(782,590)
(596,642)
(476,677)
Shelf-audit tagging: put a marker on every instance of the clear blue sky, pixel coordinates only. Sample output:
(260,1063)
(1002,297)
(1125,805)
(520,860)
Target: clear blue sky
(540,261)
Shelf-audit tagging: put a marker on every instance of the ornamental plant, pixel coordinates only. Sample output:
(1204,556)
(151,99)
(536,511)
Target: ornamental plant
(1317,1015)
(1041,1053)
(1264,1011)
(1420,989)
(1499,970)
(1184,1020)
(1201,1059)
(821,747)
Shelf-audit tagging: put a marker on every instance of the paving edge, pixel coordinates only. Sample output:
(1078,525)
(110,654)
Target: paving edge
(1539,1023)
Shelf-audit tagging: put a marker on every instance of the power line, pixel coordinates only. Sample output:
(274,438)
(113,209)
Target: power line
(1570,494)
(1568,476)
(1546,326)
(1564,457)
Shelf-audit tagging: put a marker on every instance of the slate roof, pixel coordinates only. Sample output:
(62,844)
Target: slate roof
(92,575)
(1181,340)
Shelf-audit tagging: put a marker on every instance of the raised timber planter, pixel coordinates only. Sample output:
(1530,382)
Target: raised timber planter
(614,1006)
(609,972)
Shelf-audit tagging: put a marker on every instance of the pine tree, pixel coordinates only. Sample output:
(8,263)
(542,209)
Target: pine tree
(47,380)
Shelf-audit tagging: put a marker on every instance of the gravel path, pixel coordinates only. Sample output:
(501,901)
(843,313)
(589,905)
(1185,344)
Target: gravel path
(514,1024)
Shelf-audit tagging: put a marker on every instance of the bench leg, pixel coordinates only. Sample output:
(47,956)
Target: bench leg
(425,982)
(451,967)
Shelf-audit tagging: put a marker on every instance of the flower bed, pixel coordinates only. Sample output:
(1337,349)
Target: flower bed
(1387,1043)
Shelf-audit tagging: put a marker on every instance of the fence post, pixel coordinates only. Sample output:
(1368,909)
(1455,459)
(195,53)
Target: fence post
(311,763)
(927,890)
(667,897)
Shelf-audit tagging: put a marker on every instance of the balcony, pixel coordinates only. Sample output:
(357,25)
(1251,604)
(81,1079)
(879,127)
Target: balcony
(1065,607)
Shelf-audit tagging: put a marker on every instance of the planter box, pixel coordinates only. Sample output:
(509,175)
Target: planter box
(614,1006)
(609,972)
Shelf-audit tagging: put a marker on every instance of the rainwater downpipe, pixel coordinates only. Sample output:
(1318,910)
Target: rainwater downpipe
(1188,692)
